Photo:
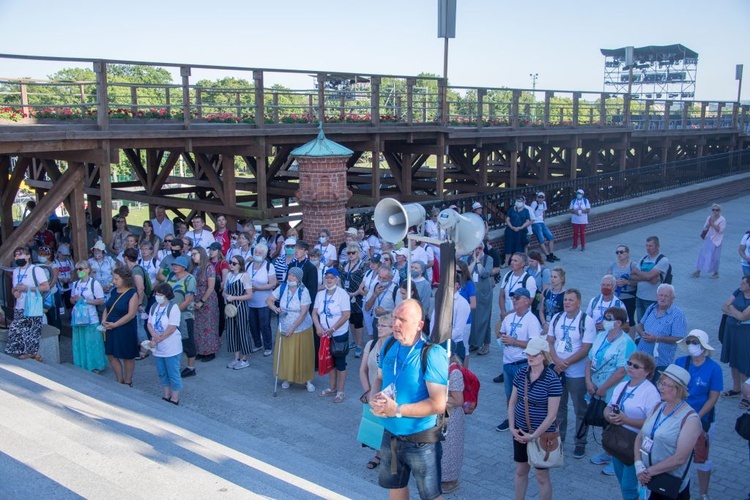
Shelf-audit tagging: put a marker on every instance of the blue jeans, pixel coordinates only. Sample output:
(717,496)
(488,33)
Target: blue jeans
(745,269)
(260,327)
(542,232)
(169,371)
(628,480)
(510,373)
(420,459)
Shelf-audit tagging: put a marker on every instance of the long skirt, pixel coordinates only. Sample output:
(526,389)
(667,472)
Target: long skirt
(453,447)
(24,334)
(736,347)
(88,348)
(708,259)
(297,355)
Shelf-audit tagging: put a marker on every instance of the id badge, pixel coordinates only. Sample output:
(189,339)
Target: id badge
(390,391)
(346,285)
(475,277)
(159,328)
(647,444)
(560,346)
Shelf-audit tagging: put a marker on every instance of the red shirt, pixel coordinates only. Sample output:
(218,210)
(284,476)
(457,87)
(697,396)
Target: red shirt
(225,239)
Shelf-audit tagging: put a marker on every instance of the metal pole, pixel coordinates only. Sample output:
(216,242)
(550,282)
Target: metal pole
(445,60)
(739,90)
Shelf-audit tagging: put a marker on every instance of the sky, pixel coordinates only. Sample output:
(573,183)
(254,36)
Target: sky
(499,43)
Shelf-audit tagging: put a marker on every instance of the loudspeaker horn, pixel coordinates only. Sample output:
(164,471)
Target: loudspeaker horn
(466,230)
(393,220)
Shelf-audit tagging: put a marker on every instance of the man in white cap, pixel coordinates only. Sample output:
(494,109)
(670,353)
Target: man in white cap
(476,207)
(579,210)
(539,228)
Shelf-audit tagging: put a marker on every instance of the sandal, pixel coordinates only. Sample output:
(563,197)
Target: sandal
(326,392)
(372,464)
(340,396)
(745,404)
(730,394)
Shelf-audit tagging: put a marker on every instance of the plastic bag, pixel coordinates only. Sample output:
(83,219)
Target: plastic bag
(33,304)
(80,315)
(325,360)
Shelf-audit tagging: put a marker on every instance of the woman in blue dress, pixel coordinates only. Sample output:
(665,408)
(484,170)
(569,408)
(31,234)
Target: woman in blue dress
(119,324)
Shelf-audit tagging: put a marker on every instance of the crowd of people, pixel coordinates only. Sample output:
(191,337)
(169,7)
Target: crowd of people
(171,291)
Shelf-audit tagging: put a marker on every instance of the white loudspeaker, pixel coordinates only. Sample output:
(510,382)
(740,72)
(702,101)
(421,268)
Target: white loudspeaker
(393,220)
(466,230)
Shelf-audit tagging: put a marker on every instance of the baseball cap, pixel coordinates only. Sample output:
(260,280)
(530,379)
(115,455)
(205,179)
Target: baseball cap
(476,205)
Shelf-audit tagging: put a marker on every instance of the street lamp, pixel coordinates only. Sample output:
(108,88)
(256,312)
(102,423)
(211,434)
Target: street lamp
(533,76)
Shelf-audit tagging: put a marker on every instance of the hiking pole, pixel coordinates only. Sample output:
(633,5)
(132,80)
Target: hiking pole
(278,365)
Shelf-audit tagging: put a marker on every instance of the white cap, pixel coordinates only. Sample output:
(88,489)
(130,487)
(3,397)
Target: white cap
(476,205)
(99,245)
(352,231)
(290,242)
(580,191)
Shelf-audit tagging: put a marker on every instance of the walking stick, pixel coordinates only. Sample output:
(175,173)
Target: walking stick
(278,364)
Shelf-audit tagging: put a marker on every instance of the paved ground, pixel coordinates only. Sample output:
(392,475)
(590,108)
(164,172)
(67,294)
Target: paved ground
(298,424)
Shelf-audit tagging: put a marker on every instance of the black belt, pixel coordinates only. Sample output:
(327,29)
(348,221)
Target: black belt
(523,361)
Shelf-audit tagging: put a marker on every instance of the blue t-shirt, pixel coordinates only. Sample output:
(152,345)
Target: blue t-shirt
(468,291)
(703,379)
(410,381)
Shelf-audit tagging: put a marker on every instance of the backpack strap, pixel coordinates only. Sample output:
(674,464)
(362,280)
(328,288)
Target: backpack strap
(582,325)
(423,354)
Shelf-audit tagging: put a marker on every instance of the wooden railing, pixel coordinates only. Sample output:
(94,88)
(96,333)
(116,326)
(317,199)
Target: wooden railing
(373,99)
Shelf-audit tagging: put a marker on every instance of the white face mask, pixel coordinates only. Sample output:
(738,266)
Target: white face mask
(42,259)
(695,350)
(257,258)
(519,204)
(160,299)
(292,284)
(608,325)
(330,287)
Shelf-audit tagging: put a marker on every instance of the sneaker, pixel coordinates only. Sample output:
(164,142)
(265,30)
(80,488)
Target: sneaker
(449,486)
(352,344)
(579,451)
(285,385)
(267,353)
(503,427)
(499,379)
(601,459)
(609,469)
(573,248)
(241,364)
(187,372)
(233,364)
(255,349)
(310,386)
(358,352)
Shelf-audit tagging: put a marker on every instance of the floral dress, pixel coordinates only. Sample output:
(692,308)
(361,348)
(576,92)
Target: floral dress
(453,447)
(207,317)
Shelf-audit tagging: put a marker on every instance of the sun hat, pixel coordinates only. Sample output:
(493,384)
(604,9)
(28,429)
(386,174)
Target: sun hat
(580,191)
(99,245)
(181,261)
(698,334)
(272,227)
(678,374)
(290,242)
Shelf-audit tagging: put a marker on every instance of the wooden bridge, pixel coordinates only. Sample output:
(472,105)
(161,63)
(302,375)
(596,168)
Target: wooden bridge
(415,138)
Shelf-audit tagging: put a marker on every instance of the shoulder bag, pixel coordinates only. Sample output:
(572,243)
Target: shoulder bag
(594,417)
(742,426)
(619,441)
(665,483)
(544,452)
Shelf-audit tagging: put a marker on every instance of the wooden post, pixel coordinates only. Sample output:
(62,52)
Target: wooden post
(574,159)
(237,105)
(102,97)
(230,186)
(544,162)
(310,107)
(647,114)
(25,99)
(134,99)
(375,100)
(603,110)
(576,104)
(514,109)
(628,109)
(480,109)
(199,101)
(78,215)
(704,105)
(376,168)
(513,164)
(276,107)
(685,107)
(185,74)
(719,107)
(440,177)
(443,101)
(548,95)
(82,94)
(260,109)
(667,105)
(168,98)
(410,82)
(261,173)
(105,190)
(342,106)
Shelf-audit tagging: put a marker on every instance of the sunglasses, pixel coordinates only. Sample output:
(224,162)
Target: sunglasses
(168,241)
(81,268)
(620,251)
(715,210)
(634,365)
(609,318)
(351,253)
(692,342)
(233,263)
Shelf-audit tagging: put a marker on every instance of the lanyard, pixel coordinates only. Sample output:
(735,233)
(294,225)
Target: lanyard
(514,283)
(253,271)
(350,269)
(197,240)
(157,319)
(245,254)
(395,361)
(566,328)
(657,424)
(373,275)
(382,295)
(514,325)
(22,276)
(603,308)
(82,286)
(289,296)
(605,343)
(628,395)
(232,280)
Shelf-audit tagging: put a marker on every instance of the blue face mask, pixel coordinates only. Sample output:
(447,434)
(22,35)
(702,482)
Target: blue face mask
(415,274)
(322,239)
(289,251)
(579,196)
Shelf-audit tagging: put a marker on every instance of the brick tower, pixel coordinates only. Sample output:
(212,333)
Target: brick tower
(322,192)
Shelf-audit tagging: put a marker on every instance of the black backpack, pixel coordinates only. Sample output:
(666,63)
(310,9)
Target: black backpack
(668,275)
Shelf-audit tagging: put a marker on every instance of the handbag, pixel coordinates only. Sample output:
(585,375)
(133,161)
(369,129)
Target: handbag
(339,348)
(722,326)
(619,441)
(80,314)
(665,483)
(704,233)
(742,426)
(33,305)
(325,360)
(544,452)
(594,417)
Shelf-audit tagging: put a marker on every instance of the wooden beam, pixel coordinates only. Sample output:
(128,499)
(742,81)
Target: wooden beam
(230,186)
(105,194)
(261,176)
(38,217)
(207,171)
(166,169)
(75,204)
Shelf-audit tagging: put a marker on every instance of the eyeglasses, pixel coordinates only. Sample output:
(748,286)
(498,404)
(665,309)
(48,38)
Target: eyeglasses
(81,268)
(715,210)
(233,263)
(609,318)
(516,297)
(634,365)
(621,251)
(168,241)
(692,342)
(666,385)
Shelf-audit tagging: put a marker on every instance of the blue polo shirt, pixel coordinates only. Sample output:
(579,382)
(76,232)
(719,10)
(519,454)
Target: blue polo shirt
(670,324)
(403,365)
(703,379)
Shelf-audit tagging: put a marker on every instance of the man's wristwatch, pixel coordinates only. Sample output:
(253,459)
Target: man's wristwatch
(398,411)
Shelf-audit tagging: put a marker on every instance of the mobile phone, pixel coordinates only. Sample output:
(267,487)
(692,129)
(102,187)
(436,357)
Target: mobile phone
(615,408)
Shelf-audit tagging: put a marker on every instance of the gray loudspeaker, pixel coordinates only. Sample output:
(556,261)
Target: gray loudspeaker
(466,230)
(393,220)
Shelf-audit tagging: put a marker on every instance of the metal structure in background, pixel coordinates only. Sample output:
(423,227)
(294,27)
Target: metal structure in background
(656,72)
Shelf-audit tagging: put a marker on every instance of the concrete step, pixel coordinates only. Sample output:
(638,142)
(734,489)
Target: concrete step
(95,438)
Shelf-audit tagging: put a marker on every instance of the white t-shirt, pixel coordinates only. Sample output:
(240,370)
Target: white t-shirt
(160,318)
(330,308)
(638,401)
(83,290)
(201,239)
(746,241)
(522,328)
(461,312)
(328,253)
(25,278)
(602,305)
(582,204)
(163,229)
(291,304)
(151,266)
(419,254)
(568,339)
(537,211)
(260,277)
(511,282)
